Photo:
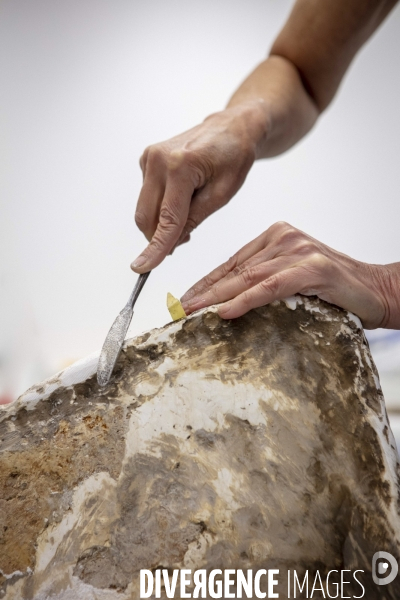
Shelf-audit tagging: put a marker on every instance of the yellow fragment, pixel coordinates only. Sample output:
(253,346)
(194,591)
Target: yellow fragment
(175,307)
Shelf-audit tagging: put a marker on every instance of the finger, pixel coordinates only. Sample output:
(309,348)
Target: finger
(172,218)
(208,200)
(182,240)
(185,240)
(230,287)
(223,270)
(143,162)
(148,205)
(203,203)
(184,237)
(241,277)
(281,239)
(278,286)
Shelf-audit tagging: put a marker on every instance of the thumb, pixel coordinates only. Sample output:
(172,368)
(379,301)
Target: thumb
(172,218)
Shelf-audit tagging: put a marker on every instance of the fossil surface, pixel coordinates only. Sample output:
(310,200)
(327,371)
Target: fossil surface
(261,442)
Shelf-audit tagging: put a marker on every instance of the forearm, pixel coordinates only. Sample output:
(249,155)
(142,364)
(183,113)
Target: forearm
(276,105)
(304,70)
(190,176)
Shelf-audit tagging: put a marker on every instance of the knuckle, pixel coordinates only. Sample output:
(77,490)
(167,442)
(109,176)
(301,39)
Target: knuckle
(229,267)
(169,218)
(156,243)
(155,156)
(178,158)
(192,163)
(232,262)
(208,281)
(283,225)
(306,247)
(290,234)
(248,276)
(271,285)
(320,262)
(188,155)
(281,231)
(280,226)
(141,220)
(238,270)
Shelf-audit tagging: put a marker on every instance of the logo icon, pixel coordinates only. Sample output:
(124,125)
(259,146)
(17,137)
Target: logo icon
(381,574)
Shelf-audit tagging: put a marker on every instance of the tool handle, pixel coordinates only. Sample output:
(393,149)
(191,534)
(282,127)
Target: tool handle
(137,289)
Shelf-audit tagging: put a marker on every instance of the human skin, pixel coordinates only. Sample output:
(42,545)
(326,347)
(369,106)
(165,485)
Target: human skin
(190,176)
(284,261)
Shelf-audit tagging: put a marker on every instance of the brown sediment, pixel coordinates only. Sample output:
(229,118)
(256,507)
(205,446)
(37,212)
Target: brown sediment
(57,446)
(304,485)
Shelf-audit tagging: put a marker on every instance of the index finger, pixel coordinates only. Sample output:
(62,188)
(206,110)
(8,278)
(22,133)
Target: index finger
(173,215)
(227,267)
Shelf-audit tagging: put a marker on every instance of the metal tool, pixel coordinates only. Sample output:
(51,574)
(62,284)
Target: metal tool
(115,337)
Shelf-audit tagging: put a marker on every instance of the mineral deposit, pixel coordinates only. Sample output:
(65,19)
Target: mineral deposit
(257,443)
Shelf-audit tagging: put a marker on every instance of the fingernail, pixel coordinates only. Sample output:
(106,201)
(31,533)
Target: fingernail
(139,262)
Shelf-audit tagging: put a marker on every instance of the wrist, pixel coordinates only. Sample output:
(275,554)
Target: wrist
(249,120)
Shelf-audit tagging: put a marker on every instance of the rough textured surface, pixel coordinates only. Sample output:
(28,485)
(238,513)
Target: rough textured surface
(261,442)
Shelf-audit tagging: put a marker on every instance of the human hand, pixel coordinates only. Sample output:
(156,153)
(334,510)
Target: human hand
(190,176)
(284,261)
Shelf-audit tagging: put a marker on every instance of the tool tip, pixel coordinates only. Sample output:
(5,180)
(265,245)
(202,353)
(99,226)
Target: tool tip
(102,379)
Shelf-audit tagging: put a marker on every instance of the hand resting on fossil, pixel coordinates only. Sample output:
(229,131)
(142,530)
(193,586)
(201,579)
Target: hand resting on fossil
(284,261)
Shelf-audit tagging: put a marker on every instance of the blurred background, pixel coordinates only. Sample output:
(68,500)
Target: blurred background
(86,86)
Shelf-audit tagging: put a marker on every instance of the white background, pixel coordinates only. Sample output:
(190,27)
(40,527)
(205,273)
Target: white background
(86,85)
